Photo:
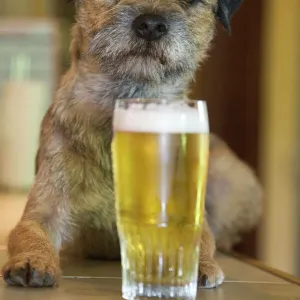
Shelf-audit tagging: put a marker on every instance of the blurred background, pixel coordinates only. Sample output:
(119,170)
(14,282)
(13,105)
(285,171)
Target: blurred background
(251,82)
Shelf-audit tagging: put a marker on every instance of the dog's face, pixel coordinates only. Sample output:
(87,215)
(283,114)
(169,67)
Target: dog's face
(150,40)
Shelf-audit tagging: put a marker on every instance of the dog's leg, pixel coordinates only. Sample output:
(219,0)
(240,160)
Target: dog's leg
(233,198)
(33,259)
(210,274)
(33,245)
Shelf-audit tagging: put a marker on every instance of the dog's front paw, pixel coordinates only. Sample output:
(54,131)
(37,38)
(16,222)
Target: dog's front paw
(210,274)
(32,269)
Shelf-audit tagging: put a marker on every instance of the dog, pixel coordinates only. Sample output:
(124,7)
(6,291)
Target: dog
(122,49)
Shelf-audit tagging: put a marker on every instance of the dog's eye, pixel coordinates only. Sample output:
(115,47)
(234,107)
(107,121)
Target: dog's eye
(190,3)
(194,2)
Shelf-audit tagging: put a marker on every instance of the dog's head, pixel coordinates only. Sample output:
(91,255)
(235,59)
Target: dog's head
(149,40)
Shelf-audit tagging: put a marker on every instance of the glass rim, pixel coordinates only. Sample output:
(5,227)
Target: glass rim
(186,116)
(158,100)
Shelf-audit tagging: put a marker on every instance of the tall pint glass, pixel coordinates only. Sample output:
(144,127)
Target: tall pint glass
(160,160)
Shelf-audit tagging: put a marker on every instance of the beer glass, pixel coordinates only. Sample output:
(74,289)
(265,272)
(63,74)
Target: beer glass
(160,160)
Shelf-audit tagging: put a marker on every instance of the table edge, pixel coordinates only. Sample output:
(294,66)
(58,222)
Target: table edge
(260,265)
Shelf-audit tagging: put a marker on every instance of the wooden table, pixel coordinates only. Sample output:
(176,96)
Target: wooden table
(88,280)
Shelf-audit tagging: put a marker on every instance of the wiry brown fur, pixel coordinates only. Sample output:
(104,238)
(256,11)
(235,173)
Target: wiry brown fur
(71,203)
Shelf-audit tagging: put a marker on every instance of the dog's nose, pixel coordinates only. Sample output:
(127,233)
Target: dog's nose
(150,27)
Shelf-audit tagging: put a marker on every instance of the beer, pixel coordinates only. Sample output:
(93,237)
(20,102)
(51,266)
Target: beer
(160,170)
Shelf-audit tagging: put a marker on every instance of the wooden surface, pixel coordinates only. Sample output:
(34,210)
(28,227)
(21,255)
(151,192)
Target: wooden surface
(102,281)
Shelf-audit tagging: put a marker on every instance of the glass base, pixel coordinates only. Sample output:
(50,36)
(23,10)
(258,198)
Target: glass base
(141,291)
(159,262)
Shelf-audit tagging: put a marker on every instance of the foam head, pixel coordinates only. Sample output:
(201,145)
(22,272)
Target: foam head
(177,117)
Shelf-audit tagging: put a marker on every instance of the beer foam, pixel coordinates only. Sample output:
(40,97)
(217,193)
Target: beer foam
(161,119)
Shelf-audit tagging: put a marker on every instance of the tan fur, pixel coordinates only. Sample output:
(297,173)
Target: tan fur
(233,198)
(71,204)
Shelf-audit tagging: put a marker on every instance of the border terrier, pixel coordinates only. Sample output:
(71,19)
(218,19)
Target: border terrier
(122,49)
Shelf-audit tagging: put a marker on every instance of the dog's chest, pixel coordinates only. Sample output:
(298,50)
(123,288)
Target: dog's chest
(90,180)
(95,203)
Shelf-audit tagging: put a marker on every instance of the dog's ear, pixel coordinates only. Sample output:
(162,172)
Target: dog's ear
(225,11)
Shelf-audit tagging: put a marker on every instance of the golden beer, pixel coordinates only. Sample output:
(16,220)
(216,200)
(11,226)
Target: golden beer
(160,181)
